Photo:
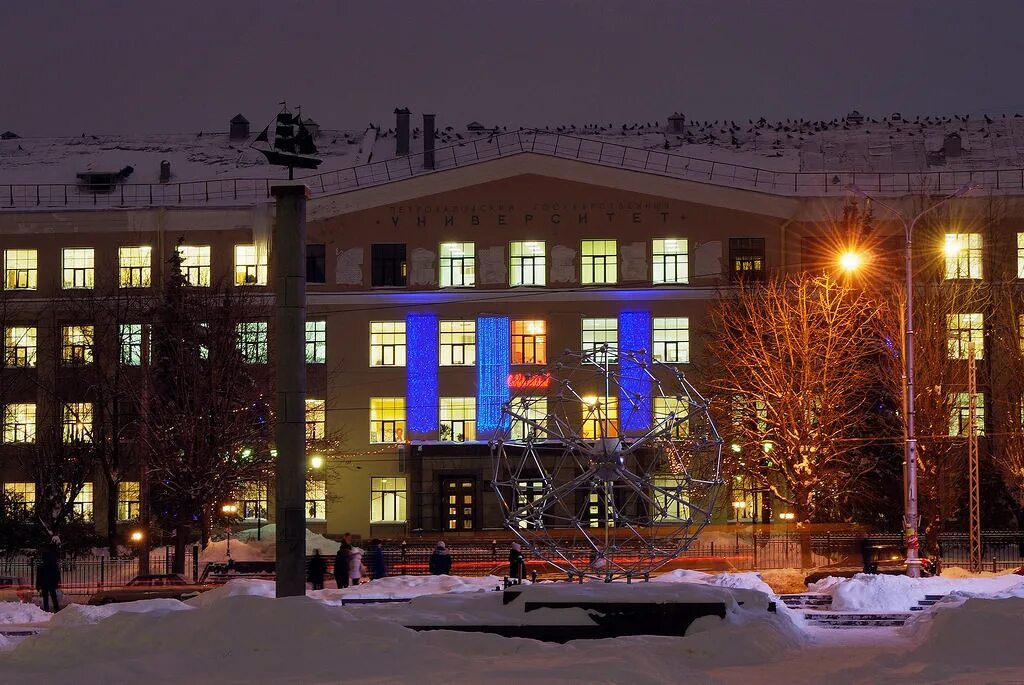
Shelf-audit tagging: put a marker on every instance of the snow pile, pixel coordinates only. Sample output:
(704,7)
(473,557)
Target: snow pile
(898,593)
(785,580)
(234,588)
(748,580)
(84,614)
(407,587)
(246,547)
(981,632)
(22,612)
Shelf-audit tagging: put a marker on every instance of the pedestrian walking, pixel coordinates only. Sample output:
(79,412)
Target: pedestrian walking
(380,569)
(341,565)
(440,562)
(516,562)
(355,565)
(48,579)
(317,570)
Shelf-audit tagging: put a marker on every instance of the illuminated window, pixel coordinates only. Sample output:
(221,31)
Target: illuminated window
(316,500)
(20,346)
(128,500)
(960,413)
(316,419)
(527,492)
(600,417)
(746,259)
(387,419)
(964,329)
(250,266)
(963,256)
(195,264)
(598,262)
(135,266)
(529,341)
(83,502)
(530,415)
(22,493)
(316,342)
(1020,255)
(458,265)
(458,343)
(669,494)
(387,499)
(387,343)
(526,263)
(252,500)
(77,345)
(20,269)
(252,341)
(670,260)
(78,268)
(131,343)
(20,423)
(458,418)
(77,422)
(600,340)
(672,411)
(671,340)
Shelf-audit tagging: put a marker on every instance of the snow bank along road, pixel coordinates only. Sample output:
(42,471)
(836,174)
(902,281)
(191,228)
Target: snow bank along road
(240,634)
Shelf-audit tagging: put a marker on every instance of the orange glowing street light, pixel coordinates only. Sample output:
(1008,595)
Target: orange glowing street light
(851,261)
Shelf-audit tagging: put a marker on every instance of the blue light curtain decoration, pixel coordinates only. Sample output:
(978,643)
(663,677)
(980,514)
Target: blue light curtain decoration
(635,383)
(493,363)
(421,396)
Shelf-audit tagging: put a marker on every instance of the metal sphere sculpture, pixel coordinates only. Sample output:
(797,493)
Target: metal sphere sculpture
(607,462)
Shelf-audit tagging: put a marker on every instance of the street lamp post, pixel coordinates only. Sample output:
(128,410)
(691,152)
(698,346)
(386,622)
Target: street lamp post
(910,515)
(229,510)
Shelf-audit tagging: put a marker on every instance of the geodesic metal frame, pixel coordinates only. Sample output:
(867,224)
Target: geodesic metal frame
(600,478)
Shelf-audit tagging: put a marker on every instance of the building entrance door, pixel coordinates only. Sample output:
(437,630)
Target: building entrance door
(459,503)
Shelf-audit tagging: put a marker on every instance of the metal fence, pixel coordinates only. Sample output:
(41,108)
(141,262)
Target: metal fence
(592,150)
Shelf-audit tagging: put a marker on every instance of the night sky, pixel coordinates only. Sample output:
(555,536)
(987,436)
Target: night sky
(142,66)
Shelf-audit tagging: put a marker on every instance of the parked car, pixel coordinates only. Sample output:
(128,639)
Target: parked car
(14,589)
(220,572)
(151,586)
(886,559)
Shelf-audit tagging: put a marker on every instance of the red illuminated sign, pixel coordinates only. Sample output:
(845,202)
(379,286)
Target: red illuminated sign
(529,381)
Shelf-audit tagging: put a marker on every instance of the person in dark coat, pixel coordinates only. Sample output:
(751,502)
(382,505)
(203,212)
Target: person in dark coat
(380,569)
(341,565)
(317,570)
(48,579)
(440,562)
(516,562)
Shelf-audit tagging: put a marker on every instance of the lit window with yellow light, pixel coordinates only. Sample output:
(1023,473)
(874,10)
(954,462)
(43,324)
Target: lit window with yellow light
(599,262)
(20,269)
(671,339)
(673,413)
(195,264)
(387,419)
(670,261)
(250,265)
(600,417)
(669,494)
(20,346)
(22,493)
(600,340)
(128,500)
(77,345)
(387,499)
(529,417)
(1020,255)
(252,341)
(316,500)
(387,343)
(316,419)
(457,262)
(20,423)
(963,330)
(252,500)
(529,341)
(527,265)
(78,268)
(135,268)
(458,419)
(963,254)
(77,422)
(457,343)
(82,504)
(960,414)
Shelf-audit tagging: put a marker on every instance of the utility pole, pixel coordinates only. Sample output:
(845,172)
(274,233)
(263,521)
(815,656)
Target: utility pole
(972,460)
(288,256)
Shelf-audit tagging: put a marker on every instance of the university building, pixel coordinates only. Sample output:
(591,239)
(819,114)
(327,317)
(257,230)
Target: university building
(434,277)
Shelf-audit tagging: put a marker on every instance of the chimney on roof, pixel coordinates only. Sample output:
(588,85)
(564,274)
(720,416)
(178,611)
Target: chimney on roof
(677,123)
(239,129)
(952,146)
(428,141)
(312,127)
(402,131)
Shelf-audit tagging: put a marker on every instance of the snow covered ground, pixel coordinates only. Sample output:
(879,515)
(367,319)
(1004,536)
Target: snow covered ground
(240,633)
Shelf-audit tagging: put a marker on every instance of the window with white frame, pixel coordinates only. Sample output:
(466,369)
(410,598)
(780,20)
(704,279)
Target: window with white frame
(600,339)
(250,265)
(131,343)
(672,411)
(316,342)
(528,491)
(252,500)
(316,500)
(20,422)
(669,494)
(960,414)
(20,346)
(963,256)
(316,419)
(252,341)
(76,347)
(457,343)
(129,500)
(387,419)
(529,341)
(527,263)
(387,343)
(135,268)
(458,265)
(387,499)
(23,493)
(21,269)
(77,422)
(82,505)
(671,339)
(78,267)
(670,261)
(530,417)
(600,417)
(458,418)
(1020,255)
(598,262)
(963,330)
(195,264)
